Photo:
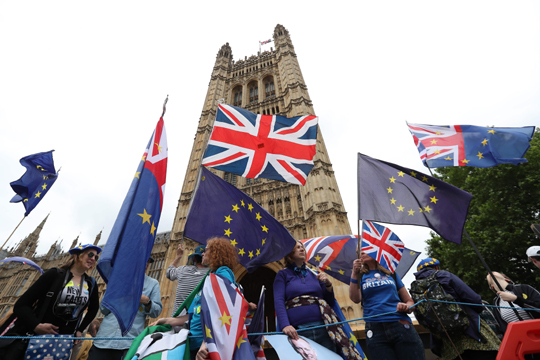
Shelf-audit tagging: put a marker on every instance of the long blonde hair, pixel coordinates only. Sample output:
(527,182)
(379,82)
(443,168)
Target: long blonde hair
(365,269)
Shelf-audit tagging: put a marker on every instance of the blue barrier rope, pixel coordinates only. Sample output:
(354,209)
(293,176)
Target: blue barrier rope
(278,332)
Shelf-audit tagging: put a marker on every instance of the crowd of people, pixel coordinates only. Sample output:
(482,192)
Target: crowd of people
(65,300)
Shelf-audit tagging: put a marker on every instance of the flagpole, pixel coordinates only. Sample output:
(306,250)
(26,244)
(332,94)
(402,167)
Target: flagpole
(165,105)
(12,233)
(483,261)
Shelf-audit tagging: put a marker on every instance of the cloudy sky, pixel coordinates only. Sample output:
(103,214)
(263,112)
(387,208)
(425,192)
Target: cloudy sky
(88,80)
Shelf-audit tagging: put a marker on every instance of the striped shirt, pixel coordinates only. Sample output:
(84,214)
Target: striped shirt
(188,276)
(509,315)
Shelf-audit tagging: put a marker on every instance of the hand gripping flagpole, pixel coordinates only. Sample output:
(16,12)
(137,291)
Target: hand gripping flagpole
(484,262)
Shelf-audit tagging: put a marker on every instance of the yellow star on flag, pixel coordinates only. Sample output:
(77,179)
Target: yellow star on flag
(235,208)
(480,155)
(225,319)
(241,252)
(264,228)
(250,207)
(485,142)
(242,203)
(424,178)
(465,161)
(145,216)
(421,210)
(38,194)
(393,201)
(390,190)
(492,131)
(240,342)
(400,208)
(25,200)
(341,272)
(152,228)
(233,242)
(228,219)
(437,151)
(392,180)
(413,174)
(251,254)
(401,173)
(353,338)
(428,209)
(448,158)
(45,177)
(143,158)
(44,186)
(433,142)
(317,258)
(434,200)
(411,212)
(328,268)
(137,174)
(263,242)
(432,188)
(258,216)
(228,232)
(208,332)
(438,133)
(258,252)
(158,148)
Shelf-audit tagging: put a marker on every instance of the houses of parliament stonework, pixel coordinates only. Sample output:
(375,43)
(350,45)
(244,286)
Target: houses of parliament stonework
(270,82)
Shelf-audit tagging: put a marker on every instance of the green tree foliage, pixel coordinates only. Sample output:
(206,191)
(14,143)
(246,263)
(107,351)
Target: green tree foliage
(506,201)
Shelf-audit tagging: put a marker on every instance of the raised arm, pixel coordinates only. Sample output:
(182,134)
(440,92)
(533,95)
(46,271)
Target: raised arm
(354,287)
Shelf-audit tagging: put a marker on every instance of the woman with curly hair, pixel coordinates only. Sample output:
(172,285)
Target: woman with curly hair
(221,258)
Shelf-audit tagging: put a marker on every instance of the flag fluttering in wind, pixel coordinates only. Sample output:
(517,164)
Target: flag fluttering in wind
(224,309)
(397,195)
(40,175)
(262,146)
(382,244)
(335,256)
(124,257)
(220,209)
(468,145)
(22,260)
(265,42)
(256,325)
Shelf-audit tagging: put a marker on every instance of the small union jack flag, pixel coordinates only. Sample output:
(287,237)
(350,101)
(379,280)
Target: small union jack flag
(262,146)
(382,244)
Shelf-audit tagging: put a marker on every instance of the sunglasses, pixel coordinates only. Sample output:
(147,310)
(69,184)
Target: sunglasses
(91,255)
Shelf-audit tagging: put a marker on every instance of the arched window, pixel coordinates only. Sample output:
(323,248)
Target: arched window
(253,92)
(237,96)
(269,88)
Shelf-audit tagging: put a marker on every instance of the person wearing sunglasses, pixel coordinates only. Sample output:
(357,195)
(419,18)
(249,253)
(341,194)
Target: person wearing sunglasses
(55,303)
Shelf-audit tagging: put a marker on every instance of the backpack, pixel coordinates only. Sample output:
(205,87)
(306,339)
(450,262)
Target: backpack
(455,320)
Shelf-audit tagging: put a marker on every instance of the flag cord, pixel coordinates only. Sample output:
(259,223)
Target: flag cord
(484,262)
(12,233)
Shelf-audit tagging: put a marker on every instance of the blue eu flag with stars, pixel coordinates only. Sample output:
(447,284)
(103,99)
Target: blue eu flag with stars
(397,195)
(220,209)
(40,175)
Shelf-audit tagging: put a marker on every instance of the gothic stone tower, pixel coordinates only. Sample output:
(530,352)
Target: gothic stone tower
(270,82)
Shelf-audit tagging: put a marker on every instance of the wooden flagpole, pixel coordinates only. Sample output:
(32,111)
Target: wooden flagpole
(12,233)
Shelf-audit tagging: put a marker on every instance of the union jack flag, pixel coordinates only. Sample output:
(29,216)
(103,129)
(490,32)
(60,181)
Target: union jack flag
(223,314)
(266,41)
(382,244)
(262,146)
(469,145)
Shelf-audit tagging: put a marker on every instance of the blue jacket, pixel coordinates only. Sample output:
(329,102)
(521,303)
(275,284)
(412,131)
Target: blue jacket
(460,292)
(110,328)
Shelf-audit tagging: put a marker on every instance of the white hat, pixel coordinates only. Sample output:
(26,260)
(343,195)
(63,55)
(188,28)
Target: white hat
(533,251)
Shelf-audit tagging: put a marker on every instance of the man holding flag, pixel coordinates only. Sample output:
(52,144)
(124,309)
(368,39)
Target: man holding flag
(130,243)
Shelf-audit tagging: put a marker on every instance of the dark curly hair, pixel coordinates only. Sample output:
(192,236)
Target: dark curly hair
(222,253)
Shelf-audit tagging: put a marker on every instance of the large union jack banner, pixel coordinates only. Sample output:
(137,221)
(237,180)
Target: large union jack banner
(469,145)
(382,244)
(262,146)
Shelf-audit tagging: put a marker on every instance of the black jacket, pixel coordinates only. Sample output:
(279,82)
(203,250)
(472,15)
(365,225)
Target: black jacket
(527,297)
(27,314)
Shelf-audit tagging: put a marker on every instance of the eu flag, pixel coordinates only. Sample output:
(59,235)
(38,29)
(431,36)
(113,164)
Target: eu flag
(40,175)
(220,209)
(468,145)
(124,257)
(397,195)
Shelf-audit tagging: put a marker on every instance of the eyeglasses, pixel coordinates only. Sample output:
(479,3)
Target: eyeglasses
(91,255)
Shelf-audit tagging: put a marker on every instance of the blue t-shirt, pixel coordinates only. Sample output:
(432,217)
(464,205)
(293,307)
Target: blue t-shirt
(194,311)
(380,296)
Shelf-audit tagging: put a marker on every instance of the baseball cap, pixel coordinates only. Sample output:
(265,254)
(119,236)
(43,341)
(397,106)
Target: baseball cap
(533,251)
